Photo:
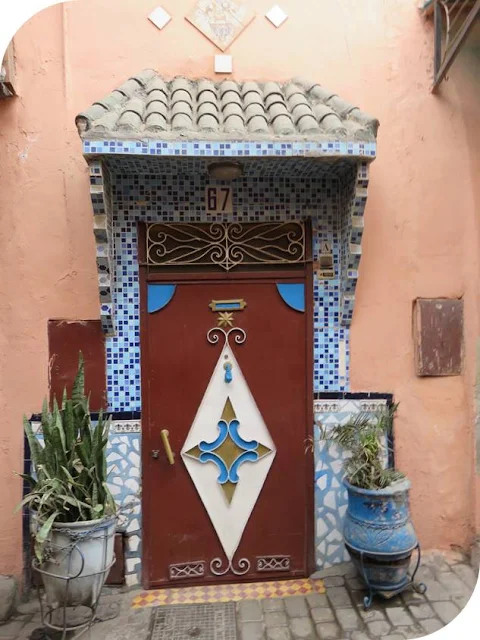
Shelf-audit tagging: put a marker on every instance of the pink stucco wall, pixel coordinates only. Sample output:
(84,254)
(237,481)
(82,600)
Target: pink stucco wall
(421,236)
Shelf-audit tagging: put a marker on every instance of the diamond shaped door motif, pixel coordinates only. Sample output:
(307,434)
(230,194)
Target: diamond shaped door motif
(228,451)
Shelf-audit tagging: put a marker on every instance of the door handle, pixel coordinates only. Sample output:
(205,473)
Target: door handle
(166,445)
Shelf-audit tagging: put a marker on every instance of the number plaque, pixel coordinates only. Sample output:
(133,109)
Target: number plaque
(218,199)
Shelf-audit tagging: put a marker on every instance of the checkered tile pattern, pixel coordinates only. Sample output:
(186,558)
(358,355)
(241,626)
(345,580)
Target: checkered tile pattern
(228,592)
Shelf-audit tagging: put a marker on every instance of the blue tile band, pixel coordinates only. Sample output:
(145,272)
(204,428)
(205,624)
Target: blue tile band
(230,148)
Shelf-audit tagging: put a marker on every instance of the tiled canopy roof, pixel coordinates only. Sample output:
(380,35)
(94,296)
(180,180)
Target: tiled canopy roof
(148,106)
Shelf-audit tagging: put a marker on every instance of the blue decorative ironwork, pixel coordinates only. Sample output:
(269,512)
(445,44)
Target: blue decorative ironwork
(245,452)
(293,295)
(228,451)
(158,296)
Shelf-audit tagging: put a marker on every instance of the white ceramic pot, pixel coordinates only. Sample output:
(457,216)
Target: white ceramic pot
(81,551)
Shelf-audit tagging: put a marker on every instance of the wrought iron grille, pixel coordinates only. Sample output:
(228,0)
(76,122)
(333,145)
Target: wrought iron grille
(225,245)
(273,563)
(456,18)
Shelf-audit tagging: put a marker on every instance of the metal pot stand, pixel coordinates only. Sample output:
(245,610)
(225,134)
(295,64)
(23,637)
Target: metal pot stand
(60,617)
(390,564)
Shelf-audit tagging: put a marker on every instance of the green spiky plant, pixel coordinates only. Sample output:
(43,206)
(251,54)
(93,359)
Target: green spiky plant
(366,438)
(70,471)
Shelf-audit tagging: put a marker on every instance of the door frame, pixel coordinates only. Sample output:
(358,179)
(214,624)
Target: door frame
(306,274)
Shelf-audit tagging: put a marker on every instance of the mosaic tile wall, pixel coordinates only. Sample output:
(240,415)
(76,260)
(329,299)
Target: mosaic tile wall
(124,481)
(330,495)
(181,198)
(299,159)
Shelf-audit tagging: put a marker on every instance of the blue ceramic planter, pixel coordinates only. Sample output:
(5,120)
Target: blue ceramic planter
(379,534)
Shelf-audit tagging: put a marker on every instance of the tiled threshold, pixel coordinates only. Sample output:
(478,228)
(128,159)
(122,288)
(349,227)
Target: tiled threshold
(228,592)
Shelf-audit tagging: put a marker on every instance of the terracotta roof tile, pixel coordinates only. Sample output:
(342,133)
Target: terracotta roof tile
(148,105)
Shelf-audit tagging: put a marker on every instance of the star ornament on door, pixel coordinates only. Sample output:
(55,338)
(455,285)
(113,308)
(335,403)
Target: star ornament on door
(228,451)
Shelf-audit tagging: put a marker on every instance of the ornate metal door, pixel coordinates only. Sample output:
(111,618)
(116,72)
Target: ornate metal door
(226,380)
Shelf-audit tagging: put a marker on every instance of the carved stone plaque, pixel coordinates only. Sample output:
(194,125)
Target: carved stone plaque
(221,21)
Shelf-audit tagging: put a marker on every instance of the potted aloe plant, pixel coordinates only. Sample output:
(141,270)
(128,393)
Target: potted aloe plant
(73,512)
(378,531)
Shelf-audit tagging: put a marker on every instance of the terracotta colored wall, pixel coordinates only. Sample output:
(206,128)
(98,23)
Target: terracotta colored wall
(421,234)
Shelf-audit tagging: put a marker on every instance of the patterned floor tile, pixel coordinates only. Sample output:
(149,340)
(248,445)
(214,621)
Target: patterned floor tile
(228,592)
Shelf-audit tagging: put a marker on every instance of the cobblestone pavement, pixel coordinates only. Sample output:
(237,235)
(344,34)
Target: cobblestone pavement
(337,614)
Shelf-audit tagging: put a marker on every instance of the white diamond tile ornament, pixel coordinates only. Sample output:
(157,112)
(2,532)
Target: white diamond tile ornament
(276,15)
(160,17)
(228,518)
(223,64)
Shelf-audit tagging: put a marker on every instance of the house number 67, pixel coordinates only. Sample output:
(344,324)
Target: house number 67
(218,199)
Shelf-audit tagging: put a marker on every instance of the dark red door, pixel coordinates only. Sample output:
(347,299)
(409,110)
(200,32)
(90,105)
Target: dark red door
(234,505)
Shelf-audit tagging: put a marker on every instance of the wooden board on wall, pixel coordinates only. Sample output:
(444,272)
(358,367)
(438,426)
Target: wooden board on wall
(65,339)
(438,336)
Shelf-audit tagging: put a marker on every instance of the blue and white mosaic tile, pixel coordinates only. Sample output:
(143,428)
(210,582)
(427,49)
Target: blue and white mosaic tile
(229,148)
(124,481)
(180,198)
(259,159)
(330,495)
